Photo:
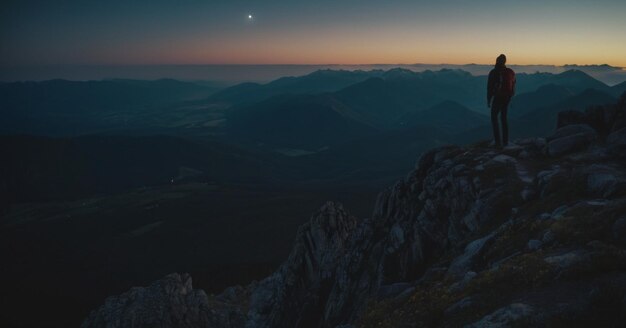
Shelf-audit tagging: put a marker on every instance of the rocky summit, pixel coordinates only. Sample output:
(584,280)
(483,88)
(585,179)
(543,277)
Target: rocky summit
(530,235)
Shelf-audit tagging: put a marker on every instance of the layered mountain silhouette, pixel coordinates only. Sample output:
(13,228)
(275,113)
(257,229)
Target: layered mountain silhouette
(449,116)
(306,121)
(316,82)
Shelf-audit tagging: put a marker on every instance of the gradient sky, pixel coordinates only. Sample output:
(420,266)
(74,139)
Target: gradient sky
(116,32)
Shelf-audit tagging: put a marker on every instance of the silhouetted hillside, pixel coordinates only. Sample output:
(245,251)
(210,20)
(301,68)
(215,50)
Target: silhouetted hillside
(449,116)
(545,96)
(300,122)
(619,89)
(316,82)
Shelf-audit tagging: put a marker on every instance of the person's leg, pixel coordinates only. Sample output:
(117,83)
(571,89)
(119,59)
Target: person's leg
(505,125)
(494,122)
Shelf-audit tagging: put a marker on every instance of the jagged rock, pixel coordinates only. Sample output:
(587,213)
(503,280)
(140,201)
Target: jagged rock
(460,285)
(459,306)
(547,180)
(605,181)
(548,237)
(294,294)
(472,251)
(501,159)
(559,212)
(568,259)
(600,118)
(570,138)
(495,265)
(506,316)
(231,294)
(169,302)
(597,202)
(534,244)
(601,184)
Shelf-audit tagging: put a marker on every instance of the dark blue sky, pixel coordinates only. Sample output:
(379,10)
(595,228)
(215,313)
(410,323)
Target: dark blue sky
(115,32)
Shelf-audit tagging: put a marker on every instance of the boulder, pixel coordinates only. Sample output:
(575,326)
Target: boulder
(471,254)
(571,138)
(558,212)
(601,184)
(571,130)
(568,259)
(459,306)
(601,118)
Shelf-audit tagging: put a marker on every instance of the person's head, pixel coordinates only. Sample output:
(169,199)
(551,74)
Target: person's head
(501,60)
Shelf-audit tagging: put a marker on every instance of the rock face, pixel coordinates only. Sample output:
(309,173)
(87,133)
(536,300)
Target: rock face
(169,302)
(296,294)
(571,138)
(528,235)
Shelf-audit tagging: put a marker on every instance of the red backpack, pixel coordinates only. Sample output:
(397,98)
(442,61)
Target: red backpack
(505,85)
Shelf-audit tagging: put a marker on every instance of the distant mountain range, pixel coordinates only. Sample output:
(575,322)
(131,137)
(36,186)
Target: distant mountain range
(385,101)
(234,74)
(326,124)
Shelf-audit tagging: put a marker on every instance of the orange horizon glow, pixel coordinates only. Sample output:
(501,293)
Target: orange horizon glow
(532,32)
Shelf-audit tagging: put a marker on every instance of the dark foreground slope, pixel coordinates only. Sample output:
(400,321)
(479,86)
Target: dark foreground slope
(533,235)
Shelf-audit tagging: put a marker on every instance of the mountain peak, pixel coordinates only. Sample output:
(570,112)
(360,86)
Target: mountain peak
(574,72)
(399,73)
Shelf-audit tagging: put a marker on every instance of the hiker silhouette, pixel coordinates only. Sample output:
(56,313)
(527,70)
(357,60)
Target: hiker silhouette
(500,90)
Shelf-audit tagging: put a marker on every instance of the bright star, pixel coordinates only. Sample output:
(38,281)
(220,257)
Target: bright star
(249,16)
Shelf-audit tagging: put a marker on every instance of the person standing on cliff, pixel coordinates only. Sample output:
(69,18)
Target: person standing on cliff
(500,90)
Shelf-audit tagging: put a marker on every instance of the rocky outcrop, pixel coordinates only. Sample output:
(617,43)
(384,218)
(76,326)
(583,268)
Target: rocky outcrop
(297,293)
(603,119)
(571,138)
(608,122)
(169,302)
(528,235)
